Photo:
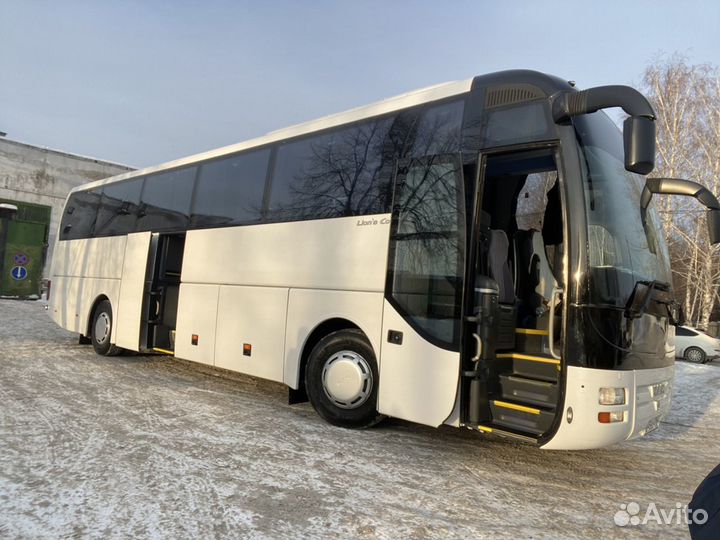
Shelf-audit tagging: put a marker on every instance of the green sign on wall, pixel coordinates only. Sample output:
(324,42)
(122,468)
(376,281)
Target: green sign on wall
(23,244)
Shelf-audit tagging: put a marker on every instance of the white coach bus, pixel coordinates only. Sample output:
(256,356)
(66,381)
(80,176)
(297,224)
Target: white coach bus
(477,254)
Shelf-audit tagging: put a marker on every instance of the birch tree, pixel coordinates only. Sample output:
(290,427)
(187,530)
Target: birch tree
(687,103)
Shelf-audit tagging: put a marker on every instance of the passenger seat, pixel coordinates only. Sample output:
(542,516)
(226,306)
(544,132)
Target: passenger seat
(500,271)
(500,266)
(535,278)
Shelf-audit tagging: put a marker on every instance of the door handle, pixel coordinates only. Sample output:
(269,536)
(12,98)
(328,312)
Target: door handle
(478,348)
(551,324)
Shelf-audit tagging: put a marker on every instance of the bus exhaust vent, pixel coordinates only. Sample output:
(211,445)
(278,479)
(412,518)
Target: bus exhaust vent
(511,94)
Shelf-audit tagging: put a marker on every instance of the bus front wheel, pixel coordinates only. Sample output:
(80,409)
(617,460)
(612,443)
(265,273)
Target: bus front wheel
(101,330)
(341,380)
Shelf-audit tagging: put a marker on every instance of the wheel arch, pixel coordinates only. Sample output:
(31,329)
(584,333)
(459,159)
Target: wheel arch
(90,314)
(320,331)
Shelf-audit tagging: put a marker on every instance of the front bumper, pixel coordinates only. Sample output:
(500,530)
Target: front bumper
(653,394)
(649,392)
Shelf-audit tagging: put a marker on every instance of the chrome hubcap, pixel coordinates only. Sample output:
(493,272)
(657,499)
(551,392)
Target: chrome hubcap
(102,328)
(347,379)
(694,355)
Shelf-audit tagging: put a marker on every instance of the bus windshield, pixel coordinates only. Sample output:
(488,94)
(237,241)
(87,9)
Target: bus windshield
(621,251)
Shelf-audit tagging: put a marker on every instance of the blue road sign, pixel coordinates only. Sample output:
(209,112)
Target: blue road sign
(19,273)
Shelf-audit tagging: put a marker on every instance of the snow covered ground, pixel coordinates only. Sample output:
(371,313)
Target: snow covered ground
(137,447)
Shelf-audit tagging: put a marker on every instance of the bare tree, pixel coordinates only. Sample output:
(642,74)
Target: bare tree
(687,102)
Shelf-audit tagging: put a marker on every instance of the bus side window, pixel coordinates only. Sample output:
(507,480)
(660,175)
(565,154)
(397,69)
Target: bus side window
(230,190)
(438,130)
(118,208)
(80,214)
(165,203)
(335,174)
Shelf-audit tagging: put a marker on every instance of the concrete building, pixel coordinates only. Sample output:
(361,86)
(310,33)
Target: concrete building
(37,180)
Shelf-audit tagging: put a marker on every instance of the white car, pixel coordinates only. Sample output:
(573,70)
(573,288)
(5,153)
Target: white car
(695,346)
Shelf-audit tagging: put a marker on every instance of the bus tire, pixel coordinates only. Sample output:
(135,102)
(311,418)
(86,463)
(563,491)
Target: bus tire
(341,380)
(101,330)
(695,355)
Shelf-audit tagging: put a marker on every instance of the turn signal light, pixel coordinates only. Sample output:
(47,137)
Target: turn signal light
(610,417)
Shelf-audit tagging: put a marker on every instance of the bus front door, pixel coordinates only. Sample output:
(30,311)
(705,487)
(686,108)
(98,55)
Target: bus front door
(162,288)
(129,314)
(420,361)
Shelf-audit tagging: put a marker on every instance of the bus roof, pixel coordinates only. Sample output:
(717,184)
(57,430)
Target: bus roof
(388,105)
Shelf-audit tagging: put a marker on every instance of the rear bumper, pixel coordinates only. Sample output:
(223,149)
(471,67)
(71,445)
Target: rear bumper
(649,393)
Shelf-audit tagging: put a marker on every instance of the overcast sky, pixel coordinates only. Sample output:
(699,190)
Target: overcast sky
(143,82)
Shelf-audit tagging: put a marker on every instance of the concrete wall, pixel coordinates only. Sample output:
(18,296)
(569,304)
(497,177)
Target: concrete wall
(42,176)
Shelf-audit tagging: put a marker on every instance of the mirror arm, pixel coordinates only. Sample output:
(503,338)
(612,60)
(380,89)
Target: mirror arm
(677,186)
(568,104)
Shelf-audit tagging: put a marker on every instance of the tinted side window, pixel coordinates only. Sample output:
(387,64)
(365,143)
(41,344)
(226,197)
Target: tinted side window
(517,124)
(165,203)
(230,190)
(118,208)
(344,173)
(682,331)
(80,212)
(427,247)
(438,130)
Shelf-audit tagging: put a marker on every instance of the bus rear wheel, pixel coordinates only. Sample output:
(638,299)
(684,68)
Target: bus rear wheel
(341,380)
(101,330)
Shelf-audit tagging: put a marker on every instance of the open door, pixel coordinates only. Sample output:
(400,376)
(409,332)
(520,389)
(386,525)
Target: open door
(513,333)
(162,289)
(420,359)
(129,309)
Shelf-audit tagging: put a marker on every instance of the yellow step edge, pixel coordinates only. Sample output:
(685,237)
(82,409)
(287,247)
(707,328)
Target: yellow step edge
(515,407)
(520,356)
(164,351)
(509,434)
(531,332)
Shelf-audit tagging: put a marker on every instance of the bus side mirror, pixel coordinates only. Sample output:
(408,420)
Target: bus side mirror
(677,186)
(713,217)
(638,129)
(639,144)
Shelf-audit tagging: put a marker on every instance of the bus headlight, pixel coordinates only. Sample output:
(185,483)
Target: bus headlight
(612,396)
